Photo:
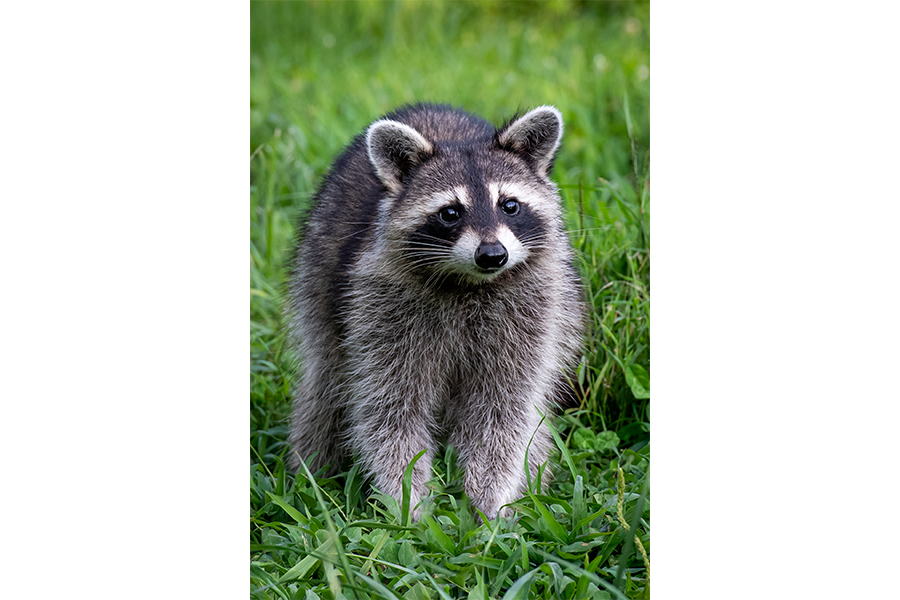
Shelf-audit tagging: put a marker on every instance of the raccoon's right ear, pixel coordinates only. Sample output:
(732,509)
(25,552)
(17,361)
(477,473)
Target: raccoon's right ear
(394,149)
(535,136)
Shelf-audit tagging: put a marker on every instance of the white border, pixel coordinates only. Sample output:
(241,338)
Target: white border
(125,299)
(775,304)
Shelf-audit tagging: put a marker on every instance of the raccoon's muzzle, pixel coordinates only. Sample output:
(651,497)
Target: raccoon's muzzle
(491,255)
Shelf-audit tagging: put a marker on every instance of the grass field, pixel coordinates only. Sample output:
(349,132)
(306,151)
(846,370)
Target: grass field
(320,73)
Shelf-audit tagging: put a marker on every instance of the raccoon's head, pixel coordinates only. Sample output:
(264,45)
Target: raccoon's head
(476,206)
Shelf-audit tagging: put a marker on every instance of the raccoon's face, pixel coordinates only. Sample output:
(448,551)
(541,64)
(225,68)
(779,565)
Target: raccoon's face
(474,209)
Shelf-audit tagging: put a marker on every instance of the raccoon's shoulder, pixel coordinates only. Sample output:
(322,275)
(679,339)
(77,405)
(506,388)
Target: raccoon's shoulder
(332,228)
(350,186)
(442,122)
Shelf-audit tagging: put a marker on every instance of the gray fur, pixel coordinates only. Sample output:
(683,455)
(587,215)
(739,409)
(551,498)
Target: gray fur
(404,341)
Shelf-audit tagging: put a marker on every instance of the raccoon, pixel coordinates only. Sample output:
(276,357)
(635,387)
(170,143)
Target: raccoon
(432,298)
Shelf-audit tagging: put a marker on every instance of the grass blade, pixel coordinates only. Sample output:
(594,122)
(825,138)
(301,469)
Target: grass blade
(443,540)
(293,512)
(307,564)
(407,487)
(522,587)
(561,445)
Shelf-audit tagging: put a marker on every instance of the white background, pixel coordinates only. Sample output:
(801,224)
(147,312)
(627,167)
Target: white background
(124,241)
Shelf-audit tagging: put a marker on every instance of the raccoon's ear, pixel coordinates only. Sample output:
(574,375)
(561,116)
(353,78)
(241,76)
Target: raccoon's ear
(394,149)
(535,136)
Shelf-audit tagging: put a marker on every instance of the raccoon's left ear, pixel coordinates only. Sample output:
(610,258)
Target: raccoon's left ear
(535,136)
(394,149)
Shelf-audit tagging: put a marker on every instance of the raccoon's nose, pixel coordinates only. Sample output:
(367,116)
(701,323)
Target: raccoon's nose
(491,255)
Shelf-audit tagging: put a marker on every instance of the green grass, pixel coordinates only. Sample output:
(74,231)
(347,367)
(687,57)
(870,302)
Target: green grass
(320,73)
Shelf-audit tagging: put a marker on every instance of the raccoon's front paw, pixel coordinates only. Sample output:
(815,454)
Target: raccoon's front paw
(419,506)
(493,499)
(491,512)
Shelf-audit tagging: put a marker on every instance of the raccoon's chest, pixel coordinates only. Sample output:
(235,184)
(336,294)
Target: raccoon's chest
(493,335)
(500,317)
(493,346)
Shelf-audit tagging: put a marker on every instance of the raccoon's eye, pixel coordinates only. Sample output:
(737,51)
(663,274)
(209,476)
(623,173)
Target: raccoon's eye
(448,214)
(511,206)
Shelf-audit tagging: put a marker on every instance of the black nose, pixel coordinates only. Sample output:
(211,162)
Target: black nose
(491,255)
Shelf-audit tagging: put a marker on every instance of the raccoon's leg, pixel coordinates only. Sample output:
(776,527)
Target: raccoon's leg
(389,430)
(395,390)
(492,431)
(318,419)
